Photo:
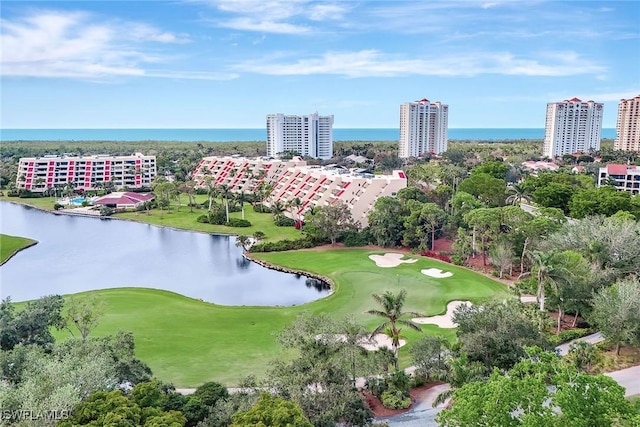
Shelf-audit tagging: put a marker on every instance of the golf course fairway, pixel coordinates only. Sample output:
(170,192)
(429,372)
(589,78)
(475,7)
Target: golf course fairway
(187,342)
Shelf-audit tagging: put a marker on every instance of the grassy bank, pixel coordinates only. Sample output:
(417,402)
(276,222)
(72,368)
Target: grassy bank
(188,342)
(11,245)
(181,217)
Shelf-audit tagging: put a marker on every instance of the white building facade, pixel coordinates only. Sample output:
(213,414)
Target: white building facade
(423,128)
(623,177)
(311,185)
(38,174)
(628,125)
(310,135)
(572,126)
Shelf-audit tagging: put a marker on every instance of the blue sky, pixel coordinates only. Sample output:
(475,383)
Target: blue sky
(228,63)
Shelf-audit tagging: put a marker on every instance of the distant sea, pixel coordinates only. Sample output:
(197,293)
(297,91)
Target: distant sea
(232,135)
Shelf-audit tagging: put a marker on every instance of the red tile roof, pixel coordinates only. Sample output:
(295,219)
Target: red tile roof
(617,169)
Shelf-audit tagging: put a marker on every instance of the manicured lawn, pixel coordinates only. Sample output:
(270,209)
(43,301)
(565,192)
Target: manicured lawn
(181,217)
(188,342)
(9,245)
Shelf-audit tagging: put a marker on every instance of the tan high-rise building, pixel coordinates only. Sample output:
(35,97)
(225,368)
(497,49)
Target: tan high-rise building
(572,126)
(423,128)
(628,125)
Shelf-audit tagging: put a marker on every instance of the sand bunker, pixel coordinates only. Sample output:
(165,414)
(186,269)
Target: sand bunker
(443,320)
(377,342)
(390,260)
(436,272)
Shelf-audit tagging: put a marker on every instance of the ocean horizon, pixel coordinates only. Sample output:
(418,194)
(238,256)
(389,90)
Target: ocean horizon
(246,135)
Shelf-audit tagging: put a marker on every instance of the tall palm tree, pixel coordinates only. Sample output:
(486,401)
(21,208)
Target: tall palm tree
(459,371)
(294,206)
(547,271)
(391,310)
(517,193)
(225,191)
(242,197)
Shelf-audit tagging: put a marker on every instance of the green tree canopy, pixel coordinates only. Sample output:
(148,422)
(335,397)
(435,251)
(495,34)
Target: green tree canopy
(271,411)
(541,390)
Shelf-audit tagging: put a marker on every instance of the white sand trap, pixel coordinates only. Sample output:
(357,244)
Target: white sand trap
(436,272)
(377,342)
(443,320)
(390,260)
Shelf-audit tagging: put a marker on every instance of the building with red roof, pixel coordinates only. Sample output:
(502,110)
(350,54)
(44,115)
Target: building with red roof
(572,126)
(622,177)
(125,199)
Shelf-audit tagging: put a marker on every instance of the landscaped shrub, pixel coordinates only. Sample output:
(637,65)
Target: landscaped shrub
(356,238)
(283,221)
(395,399)
(260,208)
(238,222)
(203,219)
(217,215)
(436,255)
(283,245)
(58,206)
(457,260)
(569,335)
(399,380)
(377,386)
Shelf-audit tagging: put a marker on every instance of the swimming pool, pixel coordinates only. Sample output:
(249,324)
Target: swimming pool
(78,200)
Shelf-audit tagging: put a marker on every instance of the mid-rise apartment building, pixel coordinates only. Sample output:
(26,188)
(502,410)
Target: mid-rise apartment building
(289,180)
(38,174)
(572,126)
(423,128)
(310,135)
(628,125)
(623,177)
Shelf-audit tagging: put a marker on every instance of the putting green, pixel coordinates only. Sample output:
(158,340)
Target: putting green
(188,342)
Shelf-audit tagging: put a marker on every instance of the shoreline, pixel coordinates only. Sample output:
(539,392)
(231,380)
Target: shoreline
(14,253)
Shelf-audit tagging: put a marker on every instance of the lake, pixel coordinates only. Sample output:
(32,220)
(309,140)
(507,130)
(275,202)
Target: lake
(76,254)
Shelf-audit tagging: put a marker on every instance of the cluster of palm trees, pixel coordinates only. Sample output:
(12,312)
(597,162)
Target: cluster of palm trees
(457,371)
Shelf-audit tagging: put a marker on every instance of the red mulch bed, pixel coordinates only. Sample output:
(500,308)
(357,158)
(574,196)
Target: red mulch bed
(416,395)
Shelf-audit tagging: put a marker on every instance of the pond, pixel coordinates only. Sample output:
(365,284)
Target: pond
(76,254)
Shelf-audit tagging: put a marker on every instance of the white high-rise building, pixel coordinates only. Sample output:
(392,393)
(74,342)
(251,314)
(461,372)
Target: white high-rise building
(310,135)
(572,126)
(423,128)
(628,125)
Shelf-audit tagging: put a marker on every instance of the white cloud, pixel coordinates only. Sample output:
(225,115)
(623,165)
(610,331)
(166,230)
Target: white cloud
(372,63)
(276,16)
(56,44)
(263,26)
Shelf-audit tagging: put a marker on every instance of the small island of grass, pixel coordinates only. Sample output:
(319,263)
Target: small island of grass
(11,245)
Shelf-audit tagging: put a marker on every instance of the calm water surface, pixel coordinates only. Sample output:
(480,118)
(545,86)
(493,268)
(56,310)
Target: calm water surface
(77,254)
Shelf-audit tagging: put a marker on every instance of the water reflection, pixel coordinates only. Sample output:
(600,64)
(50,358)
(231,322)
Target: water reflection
(316,284)
(76,254)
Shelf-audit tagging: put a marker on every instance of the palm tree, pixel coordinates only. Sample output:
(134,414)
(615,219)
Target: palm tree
(241,197)
(277,208)
(225,191)
(548,271)
(244,242)
(518,193)
(294,206)
(458,373)
(391,310)
(258,235)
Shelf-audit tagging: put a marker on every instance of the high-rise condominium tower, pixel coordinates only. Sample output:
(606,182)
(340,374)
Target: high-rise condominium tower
(310,135)
(423,128)
(572,126)
(628,125)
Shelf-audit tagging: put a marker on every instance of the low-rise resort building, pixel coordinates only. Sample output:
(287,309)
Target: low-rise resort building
(291,180)
(39,174)
(622,177)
